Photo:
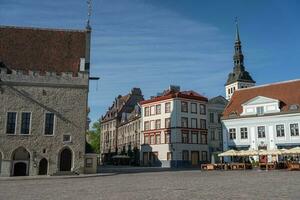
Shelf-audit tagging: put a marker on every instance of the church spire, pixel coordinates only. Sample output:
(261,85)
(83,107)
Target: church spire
(239,78)
(238,57)
(237,33)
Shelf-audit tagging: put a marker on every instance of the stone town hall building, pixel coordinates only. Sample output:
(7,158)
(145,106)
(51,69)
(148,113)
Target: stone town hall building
(43,97)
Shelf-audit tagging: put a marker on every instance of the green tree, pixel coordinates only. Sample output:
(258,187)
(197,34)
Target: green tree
(93,137)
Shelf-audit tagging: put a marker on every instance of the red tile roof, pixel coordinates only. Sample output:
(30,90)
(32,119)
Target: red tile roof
(288,93)
(42,49)
(170,94)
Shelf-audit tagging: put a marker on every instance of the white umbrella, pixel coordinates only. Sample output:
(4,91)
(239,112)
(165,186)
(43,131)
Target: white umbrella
(228,153)
(295,150)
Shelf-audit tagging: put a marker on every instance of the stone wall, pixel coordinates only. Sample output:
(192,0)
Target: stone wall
(65,96)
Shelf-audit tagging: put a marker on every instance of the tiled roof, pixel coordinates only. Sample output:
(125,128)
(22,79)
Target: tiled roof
(39,49)
(288,93)
(171,94)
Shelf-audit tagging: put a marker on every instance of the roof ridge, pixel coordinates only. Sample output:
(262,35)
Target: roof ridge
(43,28)
(268,84)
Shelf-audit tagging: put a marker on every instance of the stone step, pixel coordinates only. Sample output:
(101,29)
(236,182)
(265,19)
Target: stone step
(65,173)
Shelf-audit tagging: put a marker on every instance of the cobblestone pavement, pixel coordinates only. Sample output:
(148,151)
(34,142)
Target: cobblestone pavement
(173,185)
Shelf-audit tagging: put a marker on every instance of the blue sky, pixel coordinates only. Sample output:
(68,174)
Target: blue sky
(154,43)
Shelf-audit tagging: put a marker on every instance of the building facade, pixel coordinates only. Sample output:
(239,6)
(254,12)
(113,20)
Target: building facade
(129,133)
(215,108)
(174,129)
(121,116)
(43,95)
(239,78)
(263,117)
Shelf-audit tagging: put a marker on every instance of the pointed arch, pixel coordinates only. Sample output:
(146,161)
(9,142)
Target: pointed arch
(65,159)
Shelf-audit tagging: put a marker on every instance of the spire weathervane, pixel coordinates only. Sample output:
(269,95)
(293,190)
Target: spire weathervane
(89,3)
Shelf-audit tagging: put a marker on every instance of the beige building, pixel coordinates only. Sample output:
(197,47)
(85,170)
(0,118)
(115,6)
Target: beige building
(43,96)
(121,116)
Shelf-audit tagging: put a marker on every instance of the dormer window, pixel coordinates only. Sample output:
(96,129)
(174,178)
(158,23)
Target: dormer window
(260,110)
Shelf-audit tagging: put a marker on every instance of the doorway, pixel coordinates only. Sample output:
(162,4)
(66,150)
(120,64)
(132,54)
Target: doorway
(20,162)
(43,167)
(20,169)
(195,158)
(66,160)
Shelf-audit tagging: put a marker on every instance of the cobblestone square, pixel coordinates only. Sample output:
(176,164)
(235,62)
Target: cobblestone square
(159,185)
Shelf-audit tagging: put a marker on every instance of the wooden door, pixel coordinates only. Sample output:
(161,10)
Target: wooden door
(195,158)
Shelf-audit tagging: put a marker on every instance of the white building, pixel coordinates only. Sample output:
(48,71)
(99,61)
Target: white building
(174,129)
(263,117)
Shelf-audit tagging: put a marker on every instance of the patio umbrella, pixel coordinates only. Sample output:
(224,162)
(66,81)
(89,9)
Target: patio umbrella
(228,153)
(249,152)
(295,150)
(262,152)
(274,152)
(285,151)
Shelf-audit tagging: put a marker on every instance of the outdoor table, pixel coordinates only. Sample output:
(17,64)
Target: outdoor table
(270,166)
(207,167)
(293,166)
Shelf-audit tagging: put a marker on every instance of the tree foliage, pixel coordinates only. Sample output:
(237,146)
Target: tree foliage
(94,137)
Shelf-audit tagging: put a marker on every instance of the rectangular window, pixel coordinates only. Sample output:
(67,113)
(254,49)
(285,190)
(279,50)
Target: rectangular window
(232,133)
(194,137)
(157,139)
(152,139)
(204,155)
(184,122)
(147,111)
(260,110)
(294,129)
(167,137)
(194,123)
(184,106)
(185,137)
(261,132)
(152,110)
(244,133)
(146,125)
(167,123)
(169,155)
(152,124)
(146,139)
(203,138)
(157,124)
(202,123)
(185,155)
(280,130)
(211,118)
(167,107)
(66,138)
(158,109)
(11,123)
(202,109)
(25,123)
(194,108)
(212,132)
(49,124)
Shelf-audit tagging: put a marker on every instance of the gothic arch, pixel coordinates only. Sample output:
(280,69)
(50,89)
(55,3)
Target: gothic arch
(20,162)
(65,159)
